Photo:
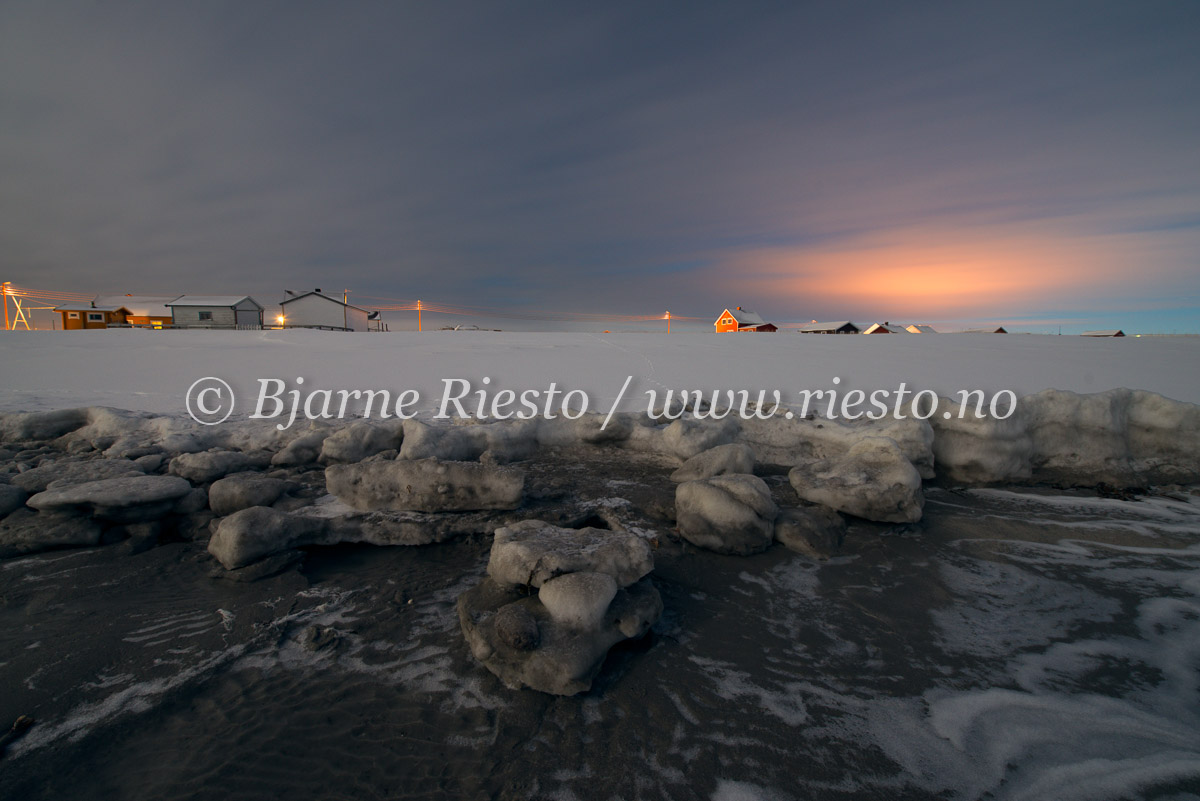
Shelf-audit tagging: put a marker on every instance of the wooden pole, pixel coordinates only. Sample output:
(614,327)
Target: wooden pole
(418,316)
(6,283)
(668,322)
(20,317)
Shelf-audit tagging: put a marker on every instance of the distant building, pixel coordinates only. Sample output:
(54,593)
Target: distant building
(375,322)
(920,329)
(841,327)
(885,328)
(315,309)
(997,330)
(216,311)
(145,310)
(741,320)
(81,316)
(1115,333)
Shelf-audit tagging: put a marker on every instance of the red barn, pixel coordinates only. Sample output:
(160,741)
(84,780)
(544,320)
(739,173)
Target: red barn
(741,320)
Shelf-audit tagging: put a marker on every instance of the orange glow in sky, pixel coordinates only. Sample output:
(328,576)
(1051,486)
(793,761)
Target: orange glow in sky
(927,272)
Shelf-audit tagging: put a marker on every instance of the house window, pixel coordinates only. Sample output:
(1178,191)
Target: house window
(205,317)
(72,315)
(95,317)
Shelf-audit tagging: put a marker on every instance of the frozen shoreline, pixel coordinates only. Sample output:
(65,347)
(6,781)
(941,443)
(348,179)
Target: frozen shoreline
(210,527)
(152,370)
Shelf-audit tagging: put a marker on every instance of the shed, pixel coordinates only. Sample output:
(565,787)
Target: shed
(80,316)
(917,328)
(840,327)
(315,309)
(739,319)
(216,311)
(1115,333)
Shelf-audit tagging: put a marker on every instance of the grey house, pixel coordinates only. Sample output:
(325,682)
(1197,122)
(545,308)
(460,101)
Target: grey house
(216,311)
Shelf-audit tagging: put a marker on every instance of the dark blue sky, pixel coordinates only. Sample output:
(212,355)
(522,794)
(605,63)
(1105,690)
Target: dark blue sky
(1034,163)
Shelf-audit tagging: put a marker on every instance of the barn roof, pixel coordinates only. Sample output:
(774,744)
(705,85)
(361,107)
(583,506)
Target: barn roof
(320,295)
(918,328)
(886,328)
(744,317)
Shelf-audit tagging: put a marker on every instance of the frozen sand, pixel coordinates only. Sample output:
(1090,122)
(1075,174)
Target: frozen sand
(152,370)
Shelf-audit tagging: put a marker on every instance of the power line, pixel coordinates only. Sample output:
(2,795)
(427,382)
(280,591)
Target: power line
(401,304)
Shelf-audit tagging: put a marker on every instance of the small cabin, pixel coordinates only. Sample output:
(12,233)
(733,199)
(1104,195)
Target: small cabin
(83,316)
(840,327)
(916,328)
(315,309)
(144,310)
(1114,333)
(739,319)
(216,311)
(885,328)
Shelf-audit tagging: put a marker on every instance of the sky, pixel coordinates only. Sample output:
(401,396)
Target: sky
(1030,164)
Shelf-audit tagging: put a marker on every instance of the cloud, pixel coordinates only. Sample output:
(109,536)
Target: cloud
(630,158)
(931,272)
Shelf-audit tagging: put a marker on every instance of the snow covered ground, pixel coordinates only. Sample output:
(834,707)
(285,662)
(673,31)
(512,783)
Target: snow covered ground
(152,370)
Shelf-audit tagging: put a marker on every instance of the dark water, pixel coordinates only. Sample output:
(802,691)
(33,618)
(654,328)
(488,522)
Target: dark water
(1015,645)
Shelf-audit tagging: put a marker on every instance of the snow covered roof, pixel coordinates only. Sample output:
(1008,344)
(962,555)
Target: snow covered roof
(744,318)
(885,328)
(917,328)
(223,301)
(814,327)
(87,307)
(320,295)
(141,305)
(997,330)
(1116,332)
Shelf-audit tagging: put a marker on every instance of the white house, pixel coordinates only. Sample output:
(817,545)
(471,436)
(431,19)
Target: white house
(216,311)
(315,309)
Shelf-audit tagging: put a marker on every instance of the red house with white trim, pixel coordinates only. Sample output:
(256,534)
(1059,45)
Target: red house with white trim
(741,320)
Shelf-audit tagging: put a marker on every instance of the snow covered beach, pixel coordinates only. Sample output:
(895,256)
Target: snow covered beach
(910,635)
(151,370)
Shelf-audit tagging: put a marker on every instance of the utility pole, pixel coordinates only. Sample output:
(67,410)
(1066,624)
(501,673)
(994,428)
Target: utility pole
(6,283)
(418,316)
(668,322)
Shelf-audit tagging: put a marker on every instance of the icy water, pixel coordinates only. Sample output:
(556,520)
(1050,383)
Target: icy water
(1016,645)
